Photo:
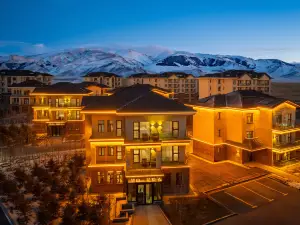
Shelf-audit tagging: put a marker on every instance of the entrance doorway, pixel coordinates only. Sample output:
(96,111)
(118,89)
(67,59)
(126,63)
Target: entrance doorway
(56,131)
(144,193)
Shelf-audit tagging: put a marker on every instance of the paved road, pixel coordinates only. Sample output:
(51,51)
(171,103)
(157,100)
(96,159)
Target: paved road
(149,215)
(206,176)
(262,201)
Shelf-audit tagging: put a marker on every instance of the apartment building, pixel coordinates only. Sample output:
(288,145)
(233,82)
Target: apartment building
(56,108)
(183,86)
(233,80)
(10,77)
(136,143)
(20,100)
(109,79)
(245,126)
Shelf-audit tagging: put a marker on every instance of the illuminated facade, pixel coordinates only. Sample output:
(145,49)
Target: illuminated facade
(245,126)
(56,108)
(183,86)
(109,79)
(233,80)
(136,143)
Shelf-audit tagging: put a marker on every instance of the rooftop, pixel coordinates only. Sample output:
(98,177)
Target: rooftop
(98,74)
(22,73)
(160,75)
(236,74)
(135,98)
(241,99)
(62,88)
(86,84)
(29,83)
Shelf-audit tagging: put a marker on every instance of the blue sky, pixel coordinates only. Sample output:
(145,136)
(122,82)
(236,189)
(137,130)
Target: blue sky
(259,29)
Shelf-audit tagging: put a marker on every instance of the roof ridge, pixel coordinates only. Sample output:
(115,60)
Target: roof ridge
(133,100)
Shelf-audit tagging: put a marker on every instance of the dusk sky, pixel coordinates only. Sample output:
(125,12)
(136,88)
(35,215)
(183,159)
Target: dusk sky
(258,29)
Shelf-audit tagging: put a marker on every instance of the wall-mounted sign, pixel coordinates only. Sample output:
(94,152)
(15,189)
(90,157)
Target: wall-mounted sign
(145,180)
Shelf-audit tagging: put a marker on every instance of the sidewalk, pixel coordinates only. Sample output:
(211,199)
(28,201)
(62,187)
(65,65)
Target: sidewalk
(149,215)
(275,171)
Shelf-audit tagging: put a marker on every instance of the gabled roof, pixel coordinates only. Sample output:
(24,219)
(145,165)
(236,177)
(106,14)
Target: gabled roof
(62,88)
(160,75)
(99,74)
(86,84)
(29,83)
(138,88)
(137,98)
(22,73)
(242,99)
(236,74)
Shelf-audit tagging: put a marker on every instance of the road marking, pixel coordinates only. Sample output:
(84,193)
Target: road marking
(247,203)
(270,200)
(284,194)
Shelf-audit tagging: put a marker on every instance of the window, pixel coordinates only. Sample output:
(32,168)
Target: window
(179,180)
(119,177)
(110,126)
(136,130)
(77,102)
(136,156)
(219,115)
(100,177)
(167,179)
(249,118)
(26,101)
(101,126)
(110,177)
(60,115)
(119,152)
(219,133)
(119,128)
(110,150)
(219,88)
(175,128)
(249,134)
(101,151)
(289,138)
(219,81)
(234,82)
(49,101)
(289,119)
(77,115)
(175,152)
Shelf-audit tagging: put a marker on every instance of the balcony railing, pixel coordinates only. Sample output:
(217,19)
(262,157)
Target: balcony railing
(284,145)
(286,125)
(64,105)
(156,137)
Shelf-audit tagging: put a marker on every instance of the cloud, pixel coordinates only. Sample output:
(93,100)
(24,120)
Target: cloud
(22,48)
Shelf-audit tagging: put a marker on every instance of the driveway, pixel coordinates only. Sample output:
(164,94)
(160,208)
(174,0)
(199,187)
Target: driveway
(207,176)
(149,215)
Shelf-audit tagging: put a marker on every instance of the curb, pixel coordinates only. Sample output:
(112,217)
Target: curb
(164,215)
(219,219)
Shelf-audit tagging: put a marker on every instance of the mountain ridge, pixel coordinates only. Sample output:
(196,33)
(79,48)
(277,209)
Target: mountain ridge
(73,63)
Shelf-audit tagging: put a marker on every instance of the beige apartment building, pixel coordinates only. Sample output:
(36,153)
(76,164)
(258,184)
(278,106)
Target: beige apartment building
(109,79)
(183,86)
(233,80)
(10,77)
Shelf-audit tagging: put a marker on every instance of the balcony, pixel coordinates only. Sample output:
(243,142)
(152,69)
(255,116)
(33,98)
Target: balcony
(286,146)
(166,161)
(286,126)
(157,137)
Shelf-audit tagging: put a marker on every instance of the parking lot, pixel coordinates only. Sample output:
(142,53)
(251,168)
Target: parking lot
(251,195)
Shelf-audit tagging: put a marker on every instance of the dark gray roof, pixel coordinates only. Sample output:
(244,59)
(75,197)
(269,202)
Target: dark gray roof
(22,73)
(86,84)
(241,99)
(160,75)
(236,73)
(62,88)
(136,98)
(29,83)
(98,74)
(138,88)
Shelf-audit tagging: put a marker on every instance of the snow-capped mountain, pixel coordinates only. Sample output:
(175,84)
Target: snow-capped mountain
(73,63)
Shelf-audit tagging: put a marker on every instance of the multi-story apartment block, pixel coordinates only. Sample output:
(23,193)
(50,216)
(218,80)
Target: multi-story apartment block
(233,80)
(110,79)
(56,108)
(20,100)
(183,86)
(10,77)
(245,126)
(136,143)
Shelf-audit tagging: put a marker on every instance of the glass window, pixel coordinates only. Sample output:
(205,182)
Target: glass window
(110,177)
(249,118)
(77,102)
(100,177)
(110,150)
(136,130)
(167,153)
(119,177)
(77,115)
(110,126)
(157,191)
(175,128)
(101,126)
(119,152)
(249,134)
(119,128)
(175,153)
(219,133)
(179,180)
(167,179)
(136,156)
(219,115)
(101,151)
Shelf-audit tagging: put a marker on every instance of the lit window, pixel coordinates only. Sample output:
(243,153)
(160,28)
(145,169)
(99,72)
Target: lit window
(136,156)
(249,134)
(136,130)
(119,128)
(110,126)
(100,177)
(119,152)
(101,126)
(110,177)
(110,151)
(119,177)
(175,153)
(101,151)
(249,118)
(175,128)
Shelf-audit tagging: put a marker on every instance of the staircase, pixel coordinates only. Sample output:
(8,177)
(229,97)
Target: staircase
(123,211)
